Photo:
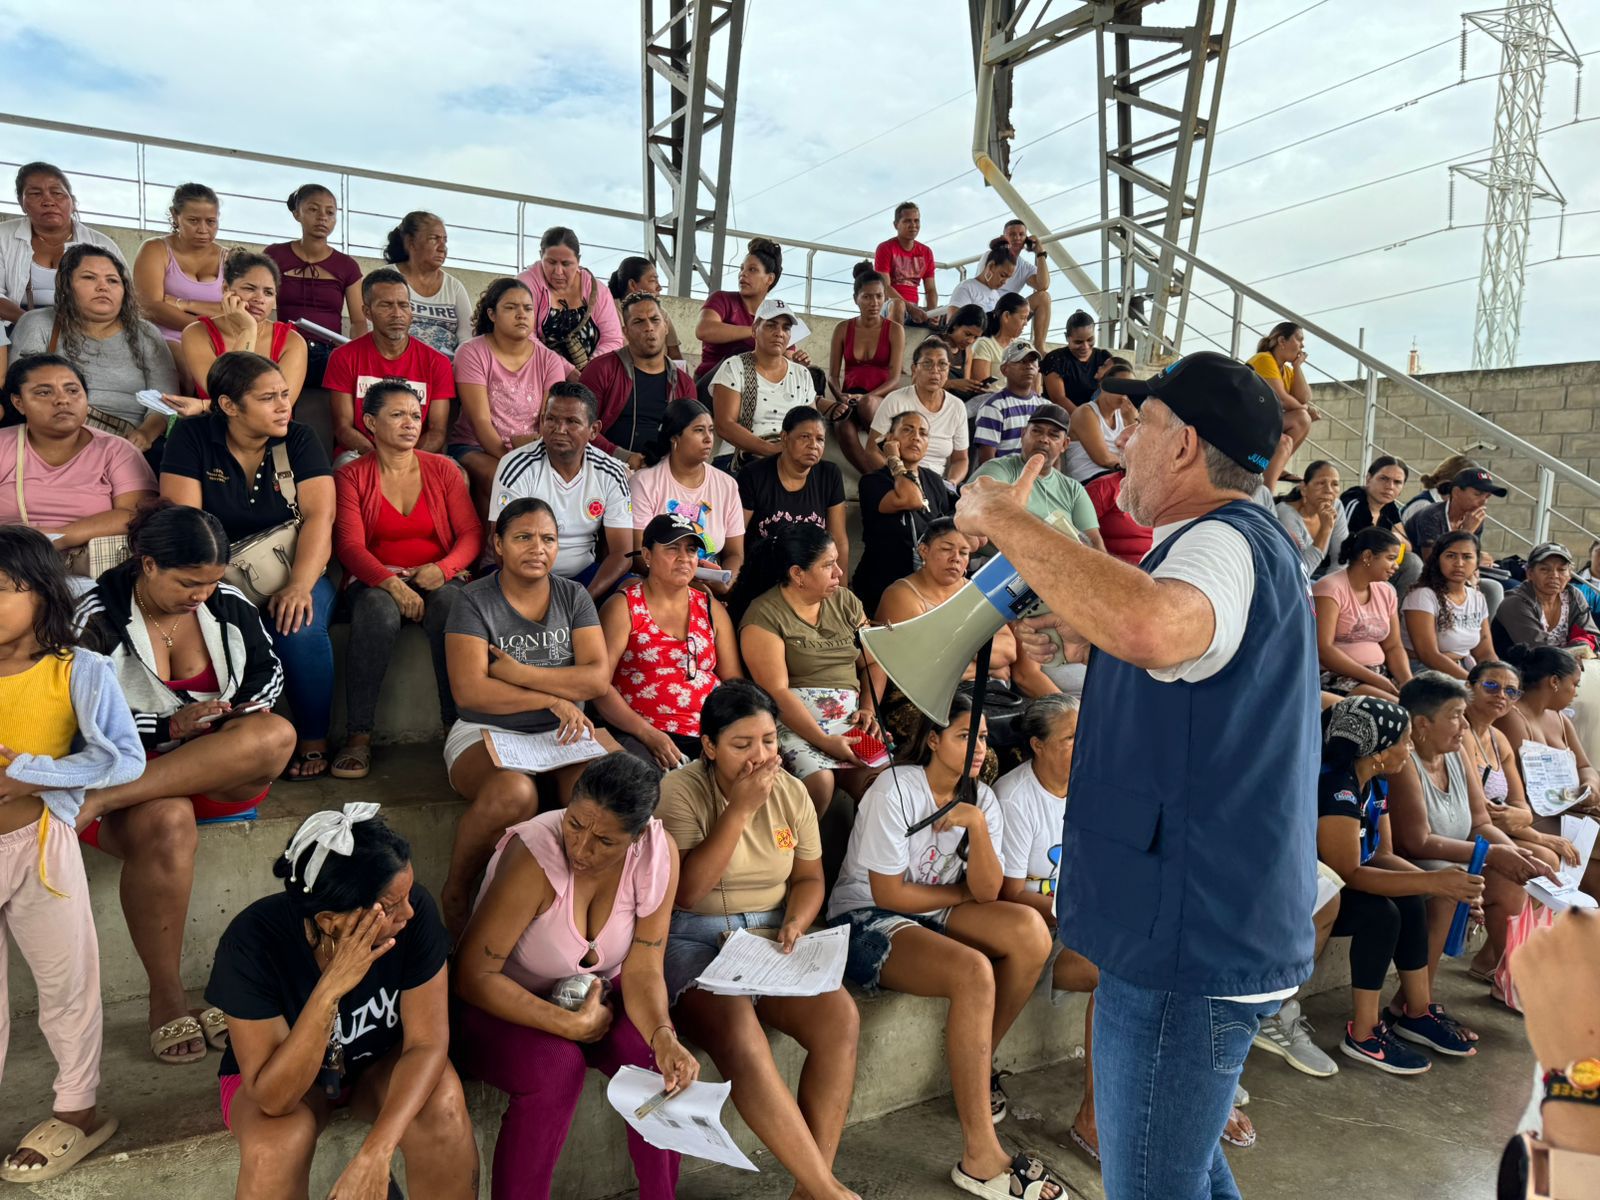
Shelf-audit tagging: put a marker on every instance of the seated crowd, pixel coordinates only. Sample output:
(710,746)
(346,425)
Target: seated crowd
(598,544)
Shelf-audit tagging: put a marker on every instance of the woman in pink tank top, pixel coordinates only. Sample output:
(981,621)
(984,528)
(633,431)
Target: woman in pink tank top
(178,278)
(584,891)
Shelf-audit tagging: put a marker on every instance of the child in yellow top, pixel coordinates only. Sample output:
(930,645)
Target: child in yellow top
(64,727)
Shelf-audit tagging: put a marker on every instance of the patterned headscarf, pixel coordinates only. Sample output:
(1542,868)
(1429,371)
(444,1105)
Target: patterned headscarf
(1361,726)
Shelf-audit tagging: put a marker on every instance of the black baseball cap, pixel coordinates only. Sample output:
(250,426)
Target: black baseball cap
(1229,405)
(667,528)
(1478,480)
(1546,550)
(1050,414)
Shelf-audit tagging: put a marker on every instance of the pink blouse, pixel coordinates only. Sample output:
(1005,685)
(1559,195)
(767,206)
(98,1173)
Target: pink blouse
(1361,628)
(551,948)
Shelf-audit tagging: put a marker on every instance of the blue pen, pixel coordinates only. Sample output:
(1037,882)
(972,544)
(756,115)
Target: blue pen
(1457,941)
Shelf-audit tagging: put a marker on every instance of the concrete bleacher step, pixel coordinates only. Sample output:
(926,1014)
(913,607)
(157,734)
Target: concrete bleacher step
(171,1142)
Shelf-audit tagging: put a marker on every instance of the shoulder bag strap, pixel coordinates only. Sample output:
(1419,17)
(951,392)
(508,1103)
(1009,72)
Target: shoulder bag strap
(747,391)
(22,453)
(284,475)
(55,334)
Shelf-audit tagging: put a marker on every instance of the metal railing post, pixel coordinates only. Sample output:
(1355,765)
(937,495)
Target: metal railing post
(522,258)
(1541,512)
(811,258)
(1369,420)
(1361,344)
(139,160)
(1238,324)
(344,211)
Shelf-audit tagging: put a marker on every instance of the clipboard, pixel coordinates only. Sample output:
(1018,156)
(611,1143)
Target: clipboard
(602,738)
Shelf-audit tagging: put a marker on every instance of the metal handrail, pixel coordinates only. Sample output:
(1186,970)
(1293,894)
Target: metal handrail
(1135,238)
(345,173)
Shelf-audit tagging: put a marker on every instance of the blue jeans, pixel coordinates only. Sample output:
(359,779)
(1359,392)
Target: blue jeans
(1165,1067)
(307,657)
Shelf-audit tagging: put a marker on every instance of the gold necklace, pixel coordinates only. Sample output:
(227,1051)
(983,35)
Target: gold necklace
(149,616)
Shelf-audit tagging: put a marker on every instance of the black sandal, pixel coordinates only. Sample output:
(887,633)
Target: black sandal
(295,772)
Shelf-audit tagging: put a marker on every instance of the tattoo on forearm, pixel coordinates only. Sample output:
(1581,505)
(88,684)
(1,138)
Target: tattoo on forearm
(488,952)
(639,941)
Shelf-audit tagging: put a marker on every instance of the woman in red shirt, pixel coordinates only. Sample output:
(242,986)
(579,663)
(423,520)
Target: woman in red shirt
(670,644)
(407,534)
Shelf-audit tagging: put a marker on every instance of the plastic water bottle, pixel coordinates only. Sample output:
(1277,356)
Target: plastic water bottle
(1457,941)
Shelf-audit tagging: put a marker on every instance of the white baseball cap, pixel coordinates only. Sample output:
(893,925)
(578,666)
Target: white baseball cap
(772,307)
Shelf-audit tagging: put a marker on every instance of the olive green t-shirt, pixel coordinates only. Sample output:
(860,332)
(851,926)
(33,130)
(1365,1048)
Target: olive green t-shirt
(784,828)
(821,655)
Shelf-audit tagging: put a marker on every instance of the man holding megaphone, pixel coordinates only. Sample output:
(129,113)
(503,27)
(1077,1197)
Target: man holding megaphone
(1188,868)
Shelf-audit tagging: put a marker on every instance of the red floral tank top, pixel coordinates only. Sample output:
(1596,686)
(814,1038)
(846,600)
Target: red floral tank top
(666,679)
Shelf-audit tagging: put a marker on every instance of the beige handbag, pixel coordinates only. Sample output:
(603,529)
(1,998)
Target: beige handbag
(94,557)
(260,565)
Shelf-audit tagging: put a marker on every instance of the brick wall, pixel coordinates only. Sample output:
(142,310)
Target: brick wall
(1554,407)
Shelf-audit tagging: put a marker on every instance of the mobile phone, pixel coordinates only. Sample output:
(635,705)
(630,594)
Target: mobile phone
(254,706)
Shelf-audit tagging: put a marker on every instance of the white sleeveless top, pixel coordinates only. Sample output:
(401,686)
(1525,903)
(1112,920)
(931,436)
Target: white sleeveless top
(1077,462)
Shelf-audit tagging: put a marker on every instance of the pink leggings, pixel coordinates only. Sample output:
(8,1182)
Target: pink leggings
(56,936)
(543,1076)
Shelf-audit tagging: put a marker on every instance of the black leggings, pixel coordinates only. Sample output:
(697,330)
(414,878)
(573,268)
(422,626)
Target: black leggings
(1381,929)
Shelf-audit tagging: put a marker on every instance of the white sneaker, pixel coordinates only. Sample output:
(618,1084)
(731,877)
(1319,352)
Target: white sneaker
(1288,1035)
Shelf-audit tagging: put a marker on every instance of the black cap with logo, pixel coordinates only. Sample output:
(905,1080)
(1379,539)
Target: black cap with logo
(1478,480)
(1229,405)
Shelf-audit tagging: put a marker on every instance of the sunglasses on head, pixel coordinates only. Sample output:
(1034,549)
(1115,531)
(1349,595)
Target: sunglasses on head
(1494,689)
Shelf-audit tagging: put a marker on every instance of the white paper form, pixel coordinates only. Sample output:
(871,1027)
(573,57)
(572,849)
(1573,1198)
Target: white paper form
(537,753)
(1551,774)
(1580,831)
(753,966)
(690,1122)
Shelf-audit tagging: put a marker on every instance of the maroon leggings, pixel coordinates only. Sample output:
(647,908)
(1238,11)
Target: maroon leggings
(543,1076)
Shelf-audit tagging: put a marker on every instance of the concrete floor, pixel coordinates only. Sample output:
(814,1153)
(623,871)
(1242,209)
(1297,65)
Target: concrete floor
(1360,1133)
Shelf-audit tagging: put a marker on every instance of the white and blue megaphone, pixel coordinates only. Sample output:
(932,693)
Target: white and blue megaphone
(927,655)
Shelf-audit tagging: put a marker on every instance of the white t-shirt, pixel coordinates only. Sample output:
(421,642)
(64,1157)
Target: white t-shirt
(444,319)
(898,799)
(773,400)
(1459,636)
(597,495)
(1033,823)
(973,291)
(1215,558)
(947,428)
(1022,275)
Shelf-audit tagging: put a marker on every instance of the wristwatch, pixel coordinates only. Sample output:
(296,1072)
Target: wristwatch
(1576,1083)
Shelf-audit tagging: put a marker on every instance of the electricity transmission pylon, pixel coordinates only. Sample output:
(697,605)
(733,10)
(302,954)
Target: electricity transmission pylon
(1531,37)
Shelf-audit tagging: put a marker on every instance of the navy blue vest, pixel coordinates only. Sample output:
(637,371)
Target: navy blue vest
(1189,854)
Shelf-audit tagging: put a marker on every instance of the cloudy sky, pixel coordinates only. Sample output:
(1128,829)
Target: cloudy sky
(845,108)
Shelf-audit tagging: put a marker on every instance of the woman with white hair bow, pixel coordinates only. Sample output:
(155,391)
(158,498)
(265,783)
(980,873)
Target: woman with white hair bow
(335,994)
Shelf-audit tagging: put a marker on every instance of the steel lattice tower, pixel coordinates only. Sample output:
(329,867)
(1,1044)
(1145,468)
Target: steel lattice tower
(1531,38)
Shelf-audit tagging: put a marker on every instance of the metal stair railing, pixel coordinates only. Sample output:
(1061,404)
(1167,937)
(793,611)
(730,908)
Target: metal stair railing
(515,231)
(1135,240)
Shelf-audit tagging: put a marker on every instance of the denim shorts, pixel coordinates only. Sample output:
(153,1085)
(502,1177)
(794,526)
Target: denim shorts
(695,939)
(870,932)
(459,450)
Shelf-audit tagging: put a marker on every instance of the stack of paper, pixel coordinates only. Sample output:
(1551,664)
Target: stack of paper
(537,753)
(690,1121)
(1580,831)
(753,966)
(151,399)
